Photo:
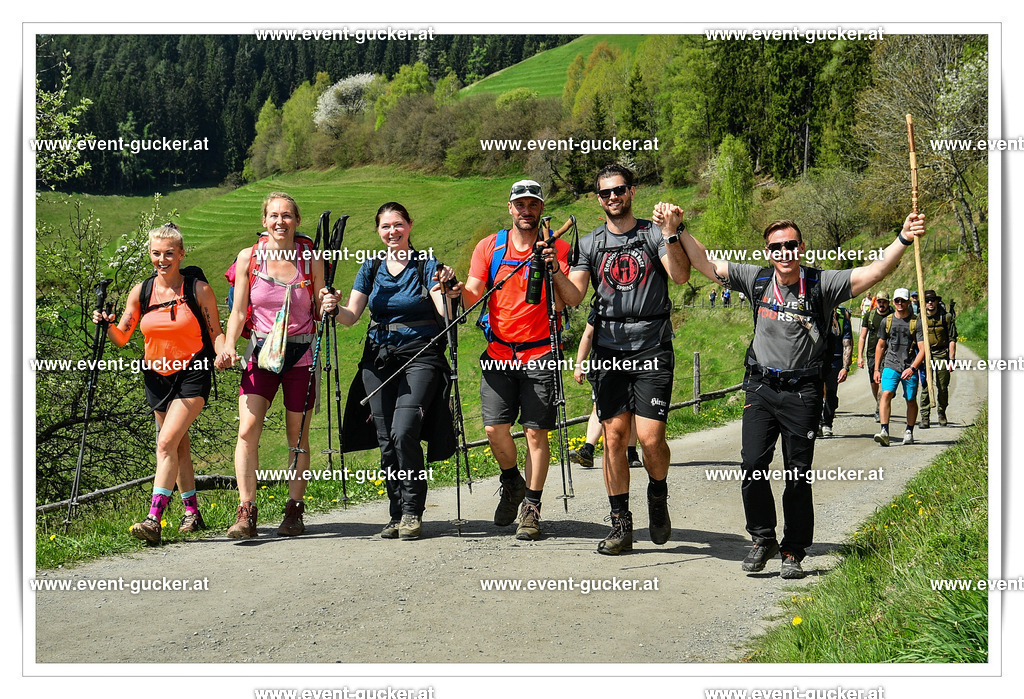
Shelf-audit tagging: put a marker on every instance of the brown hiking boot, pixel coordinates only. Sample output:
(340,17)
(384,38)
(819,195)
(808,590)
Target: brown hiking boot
(292,524)
(245,522)
(148,530)
(410,527)
(529,522)
(620,538)
(192,523)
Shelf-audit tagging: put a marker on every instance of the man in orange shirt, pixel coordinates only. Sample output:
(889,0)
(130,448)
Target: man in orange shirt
(516,371)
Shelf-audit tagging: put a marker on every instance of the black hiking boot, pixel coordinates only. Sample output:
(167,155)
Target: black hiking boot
(660,524)
(512,495)
(620,538)
(760,554)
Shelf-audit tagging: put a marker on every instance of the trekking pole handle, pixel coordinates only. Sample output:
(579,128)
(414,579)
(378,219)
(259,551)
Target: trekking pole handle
(101,293)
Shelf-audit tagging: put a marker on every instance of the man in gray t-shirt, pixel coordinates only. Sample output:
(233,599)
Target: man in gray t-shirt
(898,356)
(784,377)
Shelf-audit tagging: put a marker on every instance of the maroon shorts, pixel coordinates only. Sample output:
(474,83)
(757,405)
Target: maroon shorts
(294,384)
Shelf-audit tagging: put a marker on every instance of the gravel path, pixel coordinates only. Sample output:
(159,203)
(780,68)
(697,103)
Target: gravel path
(339,594)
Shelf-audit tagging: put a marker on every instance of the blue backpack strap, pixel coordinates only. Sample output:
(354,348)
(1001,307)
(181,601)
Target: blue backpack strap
(497,256)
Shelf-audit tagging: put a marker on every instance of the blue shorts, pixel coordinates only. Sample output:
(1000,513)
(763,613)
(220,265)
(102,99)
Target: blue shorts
(891,379)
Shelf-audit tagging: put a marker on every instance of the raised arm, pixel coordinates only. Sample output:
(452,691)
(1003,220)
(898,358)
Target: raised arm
(863,278)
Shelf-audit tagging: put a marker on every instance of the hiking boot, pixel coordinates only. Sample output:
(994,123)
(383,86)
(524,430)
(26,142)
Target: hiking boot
(942,418)
(760,554)
(826,431)
(924,420)
(659,522)
(529,522)
(634,459)
(148,530)
(245,522)
(791,568)
(620,538)
(192,522)
(292,524)
(583,457)
(908,437)
(882,438)
(409,528)
(390,530)
(512,495)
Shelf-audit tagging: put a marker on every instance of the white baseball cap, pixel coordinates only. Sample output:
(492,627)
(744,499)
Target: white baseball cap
(901,293)
(526,188)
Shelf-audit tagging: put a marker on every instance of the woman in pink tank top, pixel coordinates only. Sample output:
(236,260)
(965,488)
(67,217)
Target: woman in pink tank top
(265,273)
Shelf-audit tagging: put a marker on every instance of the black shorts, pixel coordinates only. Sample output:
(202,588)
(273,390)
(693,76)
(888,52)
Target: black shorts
(527,392)
(637,382)
(187,383)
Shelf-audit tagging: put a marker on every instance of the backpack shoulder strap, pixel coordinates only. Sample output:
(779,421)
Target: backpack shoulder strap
(761,282)
(497,255)
(145,293)
(888,324)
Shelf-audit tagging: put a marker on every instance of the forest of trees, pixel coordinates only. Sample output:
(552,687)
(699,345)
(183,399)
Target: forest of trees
(214,87)
(817,127)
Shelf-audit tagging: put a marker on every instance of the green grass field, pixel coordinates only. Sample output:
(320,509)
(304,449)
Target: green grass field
(546,71)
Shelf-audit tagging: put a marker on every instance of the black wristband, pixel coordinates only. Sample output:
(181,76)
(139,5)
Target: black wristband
(904,240)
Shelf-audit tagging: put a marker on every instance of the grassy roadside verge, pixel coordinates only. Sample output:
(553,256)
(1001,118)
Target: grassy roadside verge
(878,605)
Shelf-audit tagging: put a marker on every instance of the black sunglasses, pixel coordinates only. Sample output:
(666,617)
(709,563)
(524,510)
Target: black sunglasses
(789,245)
(900,301)
(518,189)
(617,191)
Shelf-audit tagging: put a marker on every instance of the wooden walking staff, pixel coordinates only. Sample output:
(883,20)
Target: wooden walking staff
(923,320)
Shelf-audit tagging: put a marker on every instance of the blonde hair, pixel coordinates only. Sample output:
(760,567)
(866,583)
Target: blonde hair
(168,231)
(281,195)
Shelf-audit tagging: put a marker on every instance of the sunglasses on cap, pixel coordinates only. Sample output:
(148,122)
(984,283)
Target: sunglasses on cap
(617,191)
(789,245)
(519,189)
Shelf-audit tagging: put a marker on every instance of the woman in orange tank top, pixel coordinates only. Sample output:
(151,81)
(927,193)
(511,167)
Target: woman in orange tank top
(177,379)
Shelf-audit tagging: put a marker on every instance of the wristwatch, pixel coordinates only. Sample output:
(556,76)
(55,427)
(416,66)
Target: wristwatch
(674,238)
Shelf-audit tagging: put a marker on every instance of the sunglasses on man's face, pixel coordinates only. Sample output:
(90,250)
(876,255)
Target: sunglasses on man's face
(617,191)
(789,245)
(899,301)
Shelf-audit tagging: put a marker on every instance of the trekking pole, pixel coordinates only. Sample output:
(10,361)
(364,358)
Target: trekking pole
(461,450)
(461,318)
(98,342)
(561,429)
(917,261)
(338,237)
(329,269)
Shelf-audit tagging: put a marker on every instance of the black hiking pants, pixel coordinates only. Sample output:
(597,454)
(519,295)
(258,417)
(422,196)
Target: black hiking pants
(775,408)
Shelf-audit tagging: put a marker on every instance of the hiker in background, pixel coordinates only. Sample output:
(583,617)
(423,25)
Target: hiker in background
(177,314)
(916,305)
(866,305)
(726,297)
(279,265)
(841,340)
(584,456)
(403,292)
(868,341)
(942,337)
(900,353)
(711,297)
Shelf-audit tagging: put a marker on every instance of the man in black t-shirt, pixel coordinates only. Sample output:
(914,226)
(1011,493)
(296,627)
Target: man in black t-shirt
(630,262)
(784,369)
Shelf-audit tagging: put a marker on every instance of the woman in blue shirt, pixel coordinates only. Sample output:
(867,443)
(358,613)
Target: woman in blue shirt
(402,288)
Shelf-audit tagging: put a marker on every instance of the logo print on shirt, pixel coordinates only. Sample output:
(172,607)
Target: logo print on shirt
(624,271)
